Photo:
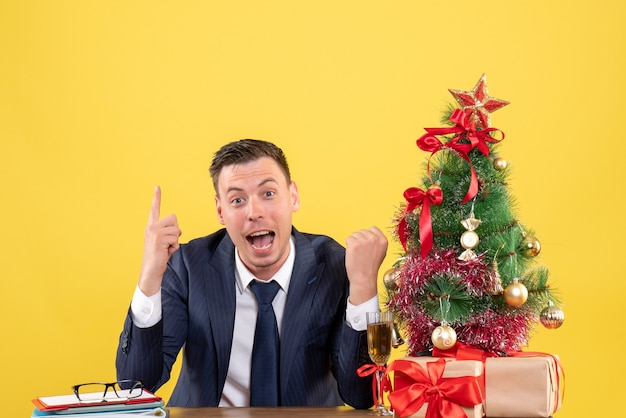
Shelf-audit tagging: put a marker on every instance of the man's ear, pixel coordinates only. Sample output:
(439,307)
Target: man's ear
(295,196)
(218,209)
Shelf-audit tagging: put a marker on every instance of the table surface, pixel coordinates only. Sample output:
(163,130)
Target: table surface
(285,411)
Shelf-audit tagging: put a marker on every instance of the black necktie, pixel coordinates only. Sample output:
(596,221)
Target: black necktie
(264,378)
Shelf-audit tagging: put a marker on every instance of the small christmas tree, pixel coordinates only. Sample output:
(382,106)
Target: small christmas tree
(467,271)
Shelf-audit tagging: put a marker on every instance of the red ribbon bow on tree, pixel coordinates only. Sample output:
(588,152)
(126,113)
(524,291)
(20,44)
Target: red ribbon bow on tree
(416,197)
(445,396)
(463,129)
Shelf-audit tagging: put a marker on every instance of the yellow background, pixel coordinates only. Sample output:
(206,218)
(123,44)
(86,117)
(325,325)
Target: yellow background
(101,100)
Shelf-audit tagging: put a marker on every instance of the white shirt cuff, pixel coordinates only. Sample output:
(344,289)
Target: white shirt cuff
(145,311)
(356,314)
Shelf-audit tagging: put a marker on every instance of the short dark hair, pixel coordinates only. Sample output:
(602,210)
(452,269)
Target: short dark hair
(244,151)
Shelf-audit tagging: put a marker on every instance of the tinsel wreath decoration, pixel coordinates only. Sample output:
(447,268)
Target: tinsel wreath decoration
(468,262)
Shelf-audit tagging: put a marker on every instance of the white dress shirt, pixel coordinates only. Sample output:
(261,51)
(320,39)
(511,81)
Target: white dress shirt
(146,312)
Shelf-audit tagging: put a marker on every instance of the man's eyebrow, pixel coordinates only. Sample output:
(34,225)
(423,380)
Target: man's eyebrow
(234,189)
(268,180)
(261,183)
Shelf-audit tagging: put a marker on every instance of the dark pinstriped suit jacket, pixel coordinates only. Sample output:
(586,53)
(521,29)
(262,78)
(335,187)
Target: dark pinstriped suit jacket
(319,351)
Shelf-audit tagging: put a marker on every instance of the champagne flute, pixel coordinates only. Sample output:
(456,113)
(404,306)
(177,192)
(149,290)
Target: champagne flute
(379,328)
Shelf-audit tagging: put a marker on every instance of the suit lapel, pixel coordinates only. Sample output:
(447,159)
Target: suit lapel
(220,295)
(302,288)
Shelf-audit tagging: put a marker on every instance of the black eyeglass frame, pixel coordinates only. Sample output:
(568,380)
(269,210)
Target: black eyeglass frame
(127,384)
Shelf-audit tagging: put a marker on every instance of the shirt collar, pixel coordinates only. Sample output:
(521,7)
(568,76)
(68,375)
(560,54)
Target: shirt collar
(243,276)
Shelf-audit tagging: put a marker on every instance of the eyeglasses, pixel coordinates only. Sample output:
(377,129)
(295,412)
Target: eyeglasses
(96,392)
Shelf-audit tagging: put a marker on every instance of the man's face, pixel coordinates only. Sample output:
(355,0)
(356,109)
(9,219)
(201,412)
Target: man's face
(256,204)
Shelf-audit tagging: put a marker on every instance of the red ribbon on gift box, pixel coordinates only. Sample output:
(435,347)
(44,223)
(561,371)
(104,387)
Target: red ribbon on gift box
(461,351)
(445,396)
(560,373)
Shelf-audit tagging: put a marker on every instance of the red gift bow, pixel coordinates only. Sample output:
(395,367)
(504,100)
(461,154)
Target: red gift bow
(463,129)
(368,369)
(416,197)
(445,396)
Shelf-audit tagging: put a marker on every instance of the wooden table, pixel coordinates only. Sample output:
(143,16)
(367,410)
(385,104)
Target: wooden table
(285,411)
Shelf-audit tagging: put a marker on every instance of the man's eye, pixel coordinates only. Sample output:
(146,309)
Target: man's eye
(269,194)
(236,201)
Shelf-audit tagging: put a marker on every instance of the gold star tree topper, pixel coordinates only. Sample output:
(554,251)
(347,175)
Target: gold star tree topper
(477,103)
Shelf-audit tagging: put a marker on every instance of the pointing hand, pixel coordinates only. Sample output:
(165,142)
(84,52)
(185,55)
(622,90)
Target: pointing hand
(160,242)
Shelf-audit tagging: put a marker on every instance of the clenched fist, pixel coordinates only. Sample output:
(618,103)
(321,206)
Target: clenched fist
(365,252)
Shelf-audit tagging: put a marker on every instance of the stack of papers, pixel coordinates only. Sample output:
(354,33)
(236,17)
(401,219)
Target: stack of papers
(68,406)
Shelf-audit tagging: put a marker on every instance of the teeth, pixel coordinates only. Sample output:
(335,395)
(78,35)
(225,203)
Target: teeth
(258,234)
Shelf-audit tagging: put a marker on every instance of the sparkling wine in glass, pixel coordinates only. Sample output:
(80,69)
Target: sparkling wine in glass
(379,330)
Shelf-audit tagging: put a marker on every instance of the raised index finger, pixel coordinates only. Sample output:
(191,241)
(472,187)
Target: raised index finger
(155,209)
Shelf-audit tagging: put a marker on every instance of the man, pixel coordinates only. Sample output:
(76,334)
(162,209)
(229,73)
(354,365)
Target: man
(200,295)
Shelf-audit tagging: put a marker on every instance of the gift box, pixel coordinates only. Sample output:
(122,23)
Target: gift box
(436,387)
(523,385)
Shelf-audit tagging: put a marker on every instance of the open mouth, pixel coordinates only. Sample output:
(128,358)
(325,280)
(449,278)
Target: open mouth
(261,240)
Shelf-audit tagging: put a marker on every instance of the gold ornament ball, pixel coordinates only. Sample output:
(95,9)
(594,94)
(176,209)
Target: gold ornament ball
(532,246)
(499,163)
(391,278)
(443,337)
(516,293)
(552,317)
(469,240)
